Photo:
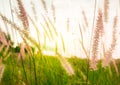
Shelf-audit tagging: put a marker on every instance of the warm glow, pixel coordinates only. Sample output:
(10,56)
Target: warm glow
(72,10)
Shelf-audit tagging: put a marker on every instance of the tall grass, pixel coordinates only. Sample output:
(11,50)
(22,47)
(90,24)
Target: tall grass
(27,67)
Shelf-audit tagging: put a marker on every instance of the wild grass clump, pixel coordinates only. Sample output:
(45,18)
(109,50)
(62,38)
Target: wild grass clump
(98,33)
(47,72)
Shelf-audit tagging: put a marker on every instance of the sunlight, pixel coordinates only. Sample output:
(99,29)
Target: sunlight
(68,9)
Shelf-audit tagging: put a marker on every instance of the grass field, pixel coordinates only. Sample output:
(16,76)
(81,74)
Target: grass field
(36,49)
(49,71)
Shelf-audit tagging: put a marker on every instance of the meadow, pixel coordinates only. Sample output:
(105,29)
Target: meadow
(25,59)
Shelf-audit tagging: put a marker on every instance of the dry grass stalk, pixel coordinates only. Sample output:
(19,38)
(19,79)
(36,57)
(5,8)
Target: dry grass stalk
(66,65)
(50,27)
(8,45)
(115,22)
(53,26)
(3,39)
(27,47)
(115,66)
(2,68)
(114,39)
(1,47)
(85,18)
(63,43)
(98,32)
(106,7)
(23,15)
(82,42)
(34,10)
(22,51)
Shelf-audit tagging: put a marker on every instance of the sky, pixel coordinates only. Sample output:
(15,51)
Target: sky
(67,9)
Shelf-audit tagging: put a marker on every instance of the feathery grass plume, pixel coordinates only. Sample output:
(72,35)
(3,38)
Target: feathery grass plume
(23,15)
(44,5)
(108,55)
(21,32)
(115,23)
(106,7)
(63,43)
(11,11)
(93,22)
(66,65)
(85,18)
(68,24)
(13,24)
(24,19)
(98,32)
(53,10)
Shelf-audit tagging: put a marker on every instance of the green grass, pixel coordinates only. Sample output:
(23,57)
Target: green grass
(101,76)
(47,70)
